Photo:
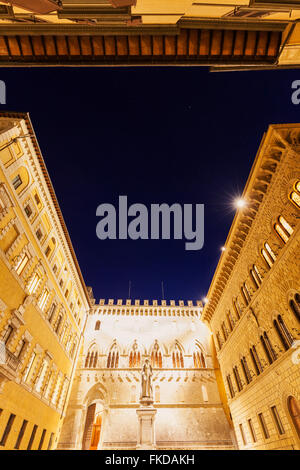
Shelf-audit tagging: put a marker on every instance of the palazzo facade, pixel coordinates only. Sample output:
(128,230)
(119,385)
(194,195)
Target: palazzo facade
(253,303)
(226,374)
(186,381)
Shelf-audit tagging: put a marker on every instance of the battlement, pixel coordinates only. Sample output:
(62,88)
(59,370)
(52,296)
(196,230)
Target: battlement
(146,308)
(148,303)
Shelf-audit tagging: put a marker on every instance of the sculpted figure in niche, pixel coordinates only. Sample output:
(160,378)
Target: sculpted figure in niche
(146,389)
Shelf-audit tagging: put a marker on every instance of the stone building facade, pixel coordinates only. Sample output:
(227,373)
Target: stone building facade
(70,369)
(105,395)
(253,304)
(43,299)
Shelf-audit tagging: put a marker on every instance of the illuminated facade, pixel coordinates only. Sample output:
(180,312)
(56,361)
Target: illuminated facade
(186,380)
(221,34)
(226,375)
(253,303)
(43,300)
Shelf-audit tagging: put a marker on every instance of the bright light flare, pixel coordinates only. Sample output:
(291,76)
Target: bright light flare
(240,203)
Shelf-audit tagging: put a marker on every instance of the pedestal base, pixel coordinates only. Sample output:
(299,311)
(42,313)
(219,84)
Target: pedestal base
(146,428)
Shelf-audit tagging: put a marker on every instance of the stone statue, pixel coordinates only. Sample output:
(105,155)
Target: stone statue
(146,389)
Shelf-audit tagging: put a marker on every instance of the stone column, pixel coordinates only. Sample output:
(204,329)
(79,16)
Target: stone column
(146,428)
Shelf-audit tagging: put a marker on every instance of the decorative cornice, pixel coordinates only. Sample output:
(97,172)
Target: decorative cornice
(276,140)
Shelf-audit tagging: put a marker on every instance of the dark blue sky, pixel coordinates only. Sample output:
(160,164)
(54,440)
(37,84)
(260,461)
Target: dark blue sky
(156,135)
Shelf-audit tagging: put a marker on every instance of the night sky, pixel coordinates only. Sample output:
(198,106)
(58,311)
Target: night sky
(156,135)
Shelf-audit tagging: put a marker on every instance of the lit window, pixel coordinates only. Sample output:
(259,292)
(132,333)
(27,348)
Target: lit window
(268,254)
(17,181)
(21,264)
(43,299)
(256,276)
(295,195)
(283,229)
(33,285)
(246,293)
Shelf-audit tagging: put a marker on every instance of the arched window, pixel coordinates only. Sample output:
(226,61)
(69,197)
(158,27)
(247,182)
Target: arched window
(230,386)
(156,356)
(198,358)
(237,378)
(283,229)
(256,276)
(268,348)
(295,194)
(97,325)
(283,332)
(177,357)
(135,356)
(91,359)
(230,320)
(256,360)
(246,370)
(294,410)
(245,293)
(224,331)
(268,255)
(113,357)
(237,308)
(219,341)
(295,306)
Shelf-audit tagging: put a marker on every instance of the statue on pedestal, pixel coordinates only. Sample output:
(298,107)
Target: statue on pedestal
(146,388)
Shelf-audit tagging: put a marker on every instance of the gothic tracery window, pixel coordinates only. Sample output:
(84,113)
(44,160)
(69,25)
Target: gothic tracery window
(177,357)
(256,276)
(268,348)
(91,359)
(256,360)
(295,195)
(283,332)
(198,358)
(156,356)
(113,357)
(268,255)
(134,356)
(283,229)
(295,306)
